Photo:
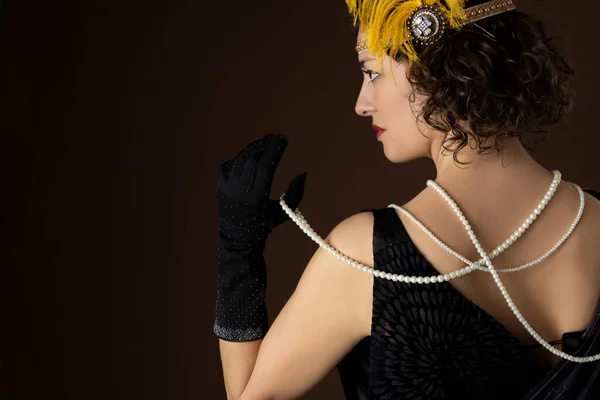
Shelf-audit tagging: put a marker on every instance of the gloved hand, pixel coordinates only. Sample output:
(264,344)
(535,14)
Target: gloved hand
(247,215)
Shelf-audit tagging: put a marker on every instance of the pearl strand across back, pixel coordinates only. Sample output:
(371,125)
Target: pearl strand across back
(299,219)
(501,287)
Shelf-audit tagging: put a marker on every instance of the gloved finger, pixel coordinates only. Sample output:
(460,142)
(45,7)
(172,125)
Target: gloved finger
(225,169)
(293,196)
(246,147)
(269,162)
(239,162)
(255,155)
(277,146)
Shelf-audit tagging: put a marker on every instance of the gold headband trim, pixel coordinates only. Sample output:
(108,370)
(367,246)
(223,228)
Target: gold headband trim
(488,9)
(361,46)
(440,21)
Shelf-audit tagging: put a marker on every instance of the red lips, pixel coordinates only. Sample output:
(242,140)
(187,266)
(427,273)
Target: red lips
(379,131)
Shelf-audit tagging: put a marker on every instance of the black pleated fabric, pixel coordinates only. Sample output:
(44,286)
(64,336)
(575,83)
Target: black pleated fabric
(431,342)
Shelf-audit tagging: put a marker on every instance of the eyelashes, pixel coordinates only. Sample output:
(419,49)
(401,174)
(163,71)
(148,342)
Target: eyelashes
(371,74)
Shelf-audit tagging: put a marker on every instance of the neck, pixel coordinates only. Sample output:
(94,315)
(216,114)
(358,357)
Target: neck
(511,169)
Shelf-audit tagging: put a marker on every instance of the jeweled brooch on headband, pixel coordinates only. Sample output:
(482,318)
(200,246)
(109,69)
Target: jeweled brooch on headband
(426,25)
(396,26)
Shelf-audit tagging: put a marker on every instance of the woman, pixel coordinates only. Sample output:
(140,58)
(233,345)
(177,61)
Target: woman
(436,316)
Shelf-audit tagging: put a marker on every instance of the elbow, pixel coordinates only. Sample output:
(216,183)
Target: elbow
(245,396)
(248,396)
(254,395)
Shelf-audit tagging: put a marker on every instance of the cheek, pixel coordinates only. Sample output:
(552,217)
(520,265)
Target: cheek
(403,141)
(396,111)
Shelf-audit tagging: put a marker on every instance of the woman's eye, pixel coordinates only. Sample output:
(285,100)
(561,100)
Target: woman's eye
(372,75)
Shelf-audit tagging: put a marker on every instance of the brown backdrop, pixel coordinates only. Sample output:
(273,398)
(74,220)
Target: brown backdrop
(115,116)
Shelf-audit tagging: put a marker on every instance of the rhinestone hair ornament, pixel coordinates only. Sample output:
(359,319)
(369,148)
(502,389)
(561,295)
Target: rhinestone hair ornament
(391,26)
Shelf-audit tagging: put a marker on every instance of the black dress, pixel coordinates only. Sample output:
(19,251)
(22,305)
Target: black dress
(431,342)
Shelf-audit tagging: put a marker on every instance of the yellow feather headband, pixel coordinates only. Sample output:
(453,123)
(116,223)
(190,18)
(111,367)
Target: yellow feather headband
(391,26)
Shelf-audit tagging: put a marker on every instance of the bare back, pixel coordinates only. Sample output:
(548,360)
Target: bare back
(558,295)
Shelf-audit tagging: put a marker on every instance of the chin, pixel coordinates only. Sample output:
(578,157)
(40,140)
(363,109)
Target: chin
(398,156)
(405,148)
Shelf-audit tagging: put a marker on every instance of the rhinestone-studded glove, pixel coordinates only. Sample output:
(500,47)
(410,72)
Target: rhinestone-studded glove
(246,217)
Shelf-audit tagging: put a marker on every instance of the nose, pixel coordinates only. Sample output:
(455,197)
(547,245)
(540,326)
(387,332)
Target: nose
(364,103)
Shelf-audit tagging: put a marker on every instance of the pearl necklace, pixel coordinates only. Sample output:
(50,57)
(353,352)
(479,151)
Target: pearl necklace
(512,238)
(503,290)
(299,219)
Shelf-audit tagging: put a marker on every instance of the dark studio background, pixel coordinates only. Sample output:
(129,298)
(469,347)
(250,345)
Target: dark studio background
(115,116)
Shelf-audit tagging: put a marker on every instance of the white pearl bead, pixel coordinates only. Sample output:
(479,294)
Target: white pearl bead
(301,222)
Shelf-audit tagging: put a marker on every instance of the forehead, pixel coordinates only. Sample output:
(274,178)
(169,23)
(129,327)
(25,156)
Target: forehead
(361,35)
(359,38)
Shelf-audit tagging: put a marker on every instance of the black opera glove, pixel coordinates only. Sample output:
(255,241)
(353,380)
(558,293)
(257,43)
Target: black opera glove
(246,217)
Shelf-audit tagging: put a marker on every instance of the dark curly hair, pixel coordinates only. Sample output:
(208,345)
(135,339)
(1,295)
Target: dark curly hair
(503,74)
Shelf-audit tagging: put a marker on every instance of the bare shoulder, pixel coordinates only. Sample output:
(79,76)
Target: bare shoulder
(328,313)
(591,218)
(353,237)
(593,199)
(590,221)
(348,286)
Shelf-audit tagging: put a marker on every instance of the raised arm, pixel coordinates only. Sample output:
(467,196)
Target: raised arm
(320,320)
(328,313)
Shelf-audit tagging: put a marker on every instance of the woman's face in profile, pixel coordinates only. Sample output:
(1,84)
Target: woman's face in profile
(384,97)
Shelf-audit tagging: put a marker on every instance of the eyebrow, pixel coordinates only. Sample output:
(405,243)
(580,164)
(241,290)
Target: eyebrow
(362,63)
